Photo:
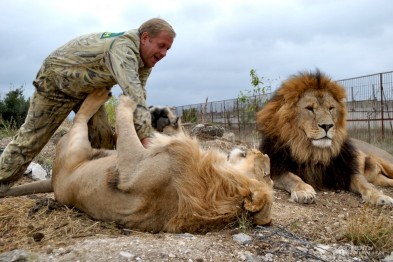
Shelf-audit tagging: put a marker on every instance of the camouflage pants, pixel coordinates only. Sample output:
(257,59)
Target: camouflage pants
(45,115)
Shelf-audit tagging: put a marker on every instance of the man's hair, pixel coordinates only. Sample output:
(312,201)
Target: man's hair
(154,26)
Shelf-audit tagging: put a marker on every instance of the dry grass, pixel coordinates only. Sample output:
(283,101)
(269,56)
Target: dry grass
(372,227)
(32,224)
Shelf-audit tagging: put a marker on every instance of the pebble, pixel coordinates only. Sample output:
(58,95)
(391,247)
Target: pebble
(242,239)
(388,258)
(321,248)
(126,255)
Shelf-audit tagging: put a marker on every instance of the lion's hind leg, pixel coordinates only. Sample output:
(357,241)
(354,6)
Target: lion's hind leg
(384,176)
(368,192)
(77,144)
(377,171)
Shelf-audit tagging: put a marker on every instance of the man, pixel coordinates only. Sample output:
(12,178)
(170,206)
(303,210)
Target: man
(73,71)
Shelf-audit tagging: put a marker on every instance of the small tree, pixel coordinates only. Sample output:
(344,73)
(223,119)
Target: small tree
(13,108)
(253,98)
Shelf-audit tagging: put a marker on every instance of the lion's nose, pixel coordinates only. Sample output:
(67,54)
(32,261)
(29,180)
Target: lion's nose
(326,127)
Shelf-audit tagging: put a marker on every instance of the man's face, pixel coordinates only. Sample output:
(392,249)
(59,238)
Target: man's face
(153,49)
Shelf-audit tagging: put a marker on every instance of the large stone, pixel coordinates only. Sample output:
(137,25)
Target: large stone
(18,255)
(207,130)
(36,171)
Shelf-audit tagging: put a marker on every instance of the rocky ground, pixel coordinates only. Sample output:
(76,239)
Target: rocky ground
(315,232)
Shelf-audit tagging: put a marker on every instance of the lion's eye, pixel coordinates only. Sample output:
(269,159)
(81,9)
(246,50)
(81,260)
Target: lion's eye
(331,108)
(310,108)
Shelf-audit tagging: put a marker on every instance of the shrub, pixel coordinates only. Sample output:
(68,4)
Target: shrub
(13,109)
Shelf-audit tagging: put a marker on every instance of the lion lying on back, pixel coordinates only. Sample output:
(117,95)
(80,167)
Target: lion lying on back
(163,120)
(172,186)
(304,133)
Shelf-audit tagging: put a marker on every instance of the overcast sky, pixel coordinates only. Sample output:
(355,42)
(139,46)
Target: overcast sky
(217,42)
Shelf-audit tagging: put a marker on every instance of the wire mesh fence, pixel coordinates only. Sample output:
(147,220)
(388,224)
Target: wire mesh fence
(369,105)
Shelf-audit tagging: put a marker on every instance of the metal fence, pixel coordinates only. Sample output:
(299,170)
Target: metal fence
(369,105)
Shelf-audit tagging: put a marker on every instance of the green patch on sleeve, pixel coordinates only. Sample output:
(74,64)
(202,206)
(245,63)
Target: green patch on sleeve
(109,35)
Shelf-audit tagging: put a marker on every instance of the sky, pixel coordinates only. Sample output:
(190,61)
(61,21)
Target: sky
(217,42)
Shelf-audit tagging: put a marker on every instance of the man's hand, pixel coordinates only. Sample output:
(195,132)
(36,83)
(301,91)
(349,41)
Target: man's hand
(146,142)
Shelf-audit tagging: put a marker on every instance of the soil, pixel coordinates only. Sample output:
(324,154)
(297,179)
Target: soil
(313,232)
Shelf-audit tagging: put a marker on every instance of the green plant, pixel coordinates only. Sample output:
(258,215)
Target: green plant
(110,107)
(295,226)
(8,129)
(252,98)
(244,222)
(189,115)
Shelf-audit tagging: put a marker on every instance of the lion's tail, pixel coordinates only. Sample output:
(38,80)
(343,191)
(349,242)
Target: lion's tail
(42,186)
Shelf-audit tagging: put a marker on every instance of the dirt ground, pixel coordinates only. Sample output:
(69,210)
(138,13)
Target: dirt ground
(37,228)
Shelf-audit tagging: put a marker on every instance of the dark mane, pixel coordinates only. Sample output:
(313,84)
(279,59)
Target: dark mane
(336,175)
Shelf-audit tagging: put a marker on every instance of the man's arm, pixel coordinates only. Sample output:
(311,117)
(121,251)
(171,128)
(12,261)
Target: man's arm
(124,65)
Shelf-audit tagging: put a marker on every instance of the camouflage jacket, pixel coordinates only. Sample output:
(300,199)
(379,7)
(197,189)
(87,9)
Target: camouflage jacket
(99,60)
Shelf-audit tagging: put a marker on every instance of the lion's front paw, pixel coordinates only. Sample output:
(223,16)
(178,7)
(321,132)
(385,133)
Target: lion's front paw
(304,194)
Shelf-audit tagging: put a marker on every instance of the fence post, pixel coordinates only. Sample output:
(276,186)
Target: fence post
(382,117)
(238,114)
(211,111)
(225,116)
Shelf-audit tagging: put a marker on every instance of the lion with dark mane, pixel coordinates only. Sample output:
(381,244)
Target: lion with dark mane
(304,132)
(173,185)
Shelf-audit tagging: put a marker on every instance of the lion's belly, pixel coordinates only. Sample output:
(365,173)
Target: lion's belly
(145,209)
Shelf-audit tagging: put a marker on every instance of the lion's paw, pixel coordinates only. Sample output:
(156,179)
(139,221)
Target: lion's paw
(383,200)
(98,97)
(93,102)
(257,201)
(304,194)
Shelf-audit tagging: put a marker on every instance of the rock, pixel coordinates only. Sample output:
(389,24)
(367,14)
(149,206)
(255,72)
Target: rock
(17,255)
(246,256)
(229,136)
(186,235)
(207,130)
(36,171)
(389,258)
(322,248)
(38,236)
(126,255)
(242,239)
(268,257)
(302,249)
